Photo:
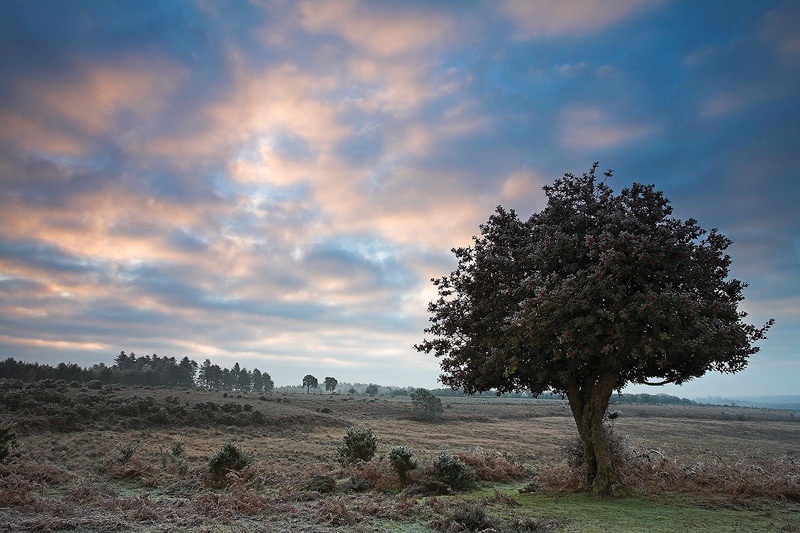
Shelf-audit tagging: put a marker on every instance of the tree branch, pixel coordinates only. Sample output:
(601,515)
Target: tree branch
(659,383)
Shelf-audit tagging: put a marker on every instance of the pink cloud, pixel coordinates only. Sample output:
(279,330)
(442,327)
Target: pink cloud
(551,18)
(590,128)
(383,32)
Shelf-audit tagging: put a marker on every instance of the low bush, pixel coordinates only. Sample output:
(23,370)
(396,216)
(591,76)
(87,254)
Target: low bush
(232,407)
(230,458)
(465,516)
(323,483)
(356,483)
(471,516)
(426,406)
(177,447)
(126,451)
(492,467)
(402,460)
(8,440)
(453,472)
(358,444)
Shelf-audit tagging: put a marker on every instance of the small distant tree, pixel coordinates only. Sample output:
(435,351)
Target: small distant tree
(594,292)
(188,370)
(227,379)
(310,382)
(352,390)
(426,406)
(235,376)
(269,385)
(330,384)
(245,380)
(258,381)
(371,389)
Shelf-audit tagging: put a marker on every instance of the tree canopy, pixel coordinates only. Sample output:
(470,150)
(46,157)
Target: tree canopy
(426,406)
(594,292)
(330,383)
(310,382)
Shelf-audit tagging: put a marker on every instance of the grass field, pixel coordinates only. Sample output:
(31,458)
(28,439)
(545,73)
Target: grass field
(109,463)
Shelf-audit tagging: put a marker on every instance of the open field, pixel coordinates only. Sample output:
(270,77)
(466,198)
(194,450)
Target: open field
(724,468)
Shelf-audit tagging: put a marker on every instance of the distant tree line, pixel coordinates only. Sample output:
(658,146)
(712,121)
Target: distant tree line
(130,369)
(237,378)
(652,398)
(621,398)
(456,393)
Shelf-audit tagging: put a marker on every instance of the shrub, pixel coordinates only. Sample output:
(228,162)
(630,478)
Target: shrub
(323,483)
(453,472)
(177,447)
(229,458)
(426,406)
(7,441)
(492,467)
(232,407)
(358,444)
(470,516)
(94,384)
(403,460)
(125,451)
(356,483)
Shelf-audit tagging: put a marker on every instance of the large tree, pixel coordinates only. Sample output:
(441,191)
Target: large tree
(310,382)
(594,292)
(330,383)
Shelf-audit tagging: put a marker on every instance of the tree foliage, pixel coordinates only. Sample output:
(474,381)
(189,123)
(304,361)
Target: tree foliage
(594,292)
(310,382)
(330,384)
(358,444)
(402,459)
(130,369)
(426,406)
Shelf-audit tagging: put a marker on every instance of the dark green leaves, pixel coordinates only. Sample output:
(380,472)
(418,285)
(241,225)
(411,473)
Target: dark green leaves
(594,283)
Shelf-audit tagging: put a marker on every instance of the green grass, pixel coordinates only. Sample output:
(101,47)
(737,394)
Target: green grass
(668,513)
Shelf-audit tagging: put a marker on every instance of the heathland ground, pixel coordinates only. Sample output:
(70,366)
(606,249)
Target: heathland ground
(131,458)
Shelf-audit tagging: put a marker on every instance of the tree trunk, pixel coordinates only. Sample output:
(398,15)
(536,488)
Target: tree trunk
(588,402)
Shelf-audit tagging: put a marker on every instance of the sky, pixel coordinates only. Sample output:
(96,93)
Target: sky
(274,183)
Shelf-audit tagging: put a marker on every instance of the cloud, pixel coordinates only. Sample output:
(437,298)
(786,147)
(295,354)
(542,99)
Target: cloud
(374,29)
(780,27)
(556,18)
(592,129)
(275,182)
(62,115)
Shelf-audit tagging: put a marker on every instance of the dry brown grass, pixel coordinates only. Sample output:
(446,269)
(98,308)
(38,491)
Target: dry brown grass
(649,470)
(732,474)
(492,467)
(76,480)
